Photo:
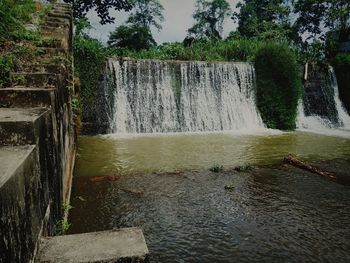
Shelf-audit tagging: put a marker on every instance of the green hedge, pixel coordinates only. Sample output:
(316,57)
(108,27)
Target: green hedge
(342,70)
(278,86)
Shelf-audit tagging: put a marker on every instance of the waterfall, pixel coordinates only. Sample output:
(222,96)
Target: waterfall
(149,96)
(333,114)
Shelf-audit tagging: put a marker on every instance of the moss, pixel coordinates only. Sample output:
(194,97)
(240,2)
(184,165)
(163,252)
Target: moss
(278,86)
(341,65)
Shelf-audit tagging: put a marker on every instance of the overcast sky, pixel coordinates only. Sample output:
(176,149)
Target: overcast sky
(178,18)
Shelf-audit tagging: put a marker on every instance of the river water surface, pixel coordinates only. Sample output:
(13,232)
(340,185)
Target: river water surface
(187,215)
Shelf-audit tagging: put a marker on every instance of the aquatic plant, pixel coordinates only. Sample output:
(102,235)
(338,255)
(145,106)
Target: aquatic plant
(215,168)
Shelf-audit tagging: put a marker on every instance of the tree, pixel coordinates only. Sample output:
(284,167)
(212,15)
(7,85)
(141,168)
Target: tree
(102,7)
(210,17)
(132,37)
(146,13)
(136,33)
(266,19)
(316,17)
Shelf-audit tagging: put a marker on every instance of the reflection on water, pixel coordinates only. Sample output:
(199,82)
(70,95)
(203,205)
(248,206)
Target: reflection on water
(270,216)
(139,154)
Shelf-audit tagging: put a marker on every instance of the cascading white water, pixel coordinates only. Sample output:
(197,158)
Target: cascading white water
(158,96)
(343,116)
(322,124)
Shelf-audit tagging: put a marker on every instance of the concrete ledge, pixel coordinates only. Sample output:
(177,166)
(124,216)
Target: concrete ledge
(123,245)
(50,80)
(23,202)
(11,158)
(26,97)
(22,126)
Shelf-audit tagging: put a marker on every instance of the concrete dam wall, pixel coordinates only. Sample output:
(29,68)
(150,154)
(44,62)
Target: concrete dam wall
(37,143)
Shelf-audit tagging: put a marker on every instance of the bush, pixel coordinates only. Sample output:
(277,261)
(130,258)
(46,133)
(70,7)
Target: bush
(6,65)
(342,69)
(13,14)
(89,60)
(221,50)
(278,86)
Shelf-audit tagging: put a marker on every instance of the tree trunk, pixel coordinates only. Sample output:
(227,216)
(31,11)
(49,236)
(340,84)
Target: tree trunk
(308,167)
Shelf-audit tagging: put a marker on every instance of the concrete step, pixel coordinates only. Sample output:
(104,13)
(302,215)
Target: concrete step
(20,126)
(22,205)
(38,79)
(61,10)
(57,25)
(66,15)
(22,97)
(43,67)
(58,19)
(123,245)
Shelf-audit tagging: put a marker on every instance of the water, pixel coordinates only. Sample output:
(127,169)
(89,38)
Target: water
(148,96)
(160,161)
(336,121)
(271,215)
(125,155)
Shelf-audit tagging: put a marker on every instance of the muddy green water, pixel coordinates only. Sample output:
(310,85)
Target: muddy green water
(112,155)
(270,215)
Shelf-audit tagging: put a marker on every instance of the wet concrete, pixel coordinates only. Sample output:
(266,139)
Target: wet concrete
(120,246)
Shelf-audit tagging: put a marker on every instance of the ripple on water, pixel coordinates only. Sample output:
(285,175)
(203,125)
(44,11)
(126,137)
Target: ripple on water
(270,215)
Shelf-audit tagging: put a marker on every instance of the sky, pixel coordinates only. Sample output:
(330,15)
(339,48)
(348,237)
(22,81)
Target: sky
(177,15)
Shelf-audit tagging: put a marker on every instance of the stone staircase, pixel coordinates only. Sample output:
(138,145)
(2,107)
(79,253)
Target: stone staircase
(37,151)
(37,143)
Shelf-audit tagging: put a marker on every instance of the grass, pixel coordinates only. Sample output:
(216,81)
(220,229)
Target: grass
(18,45)
(63,225)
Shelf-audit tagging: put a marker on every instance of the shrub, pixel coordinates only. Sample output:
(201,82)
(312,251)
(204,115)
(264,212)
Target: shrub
(221,50)
(278,86)
(13,14)
(215,168)
(6,65)
(89,60)
(342,69)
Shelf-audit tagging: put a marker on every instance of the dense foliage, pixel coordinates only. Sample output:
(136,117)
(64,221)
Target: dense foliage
(13,16)
(229,50)
(136,34)
(209,17)
(102,8)
(264,19)
(89,61)
(278,86)
(132,37)
(317,17)
(342,68)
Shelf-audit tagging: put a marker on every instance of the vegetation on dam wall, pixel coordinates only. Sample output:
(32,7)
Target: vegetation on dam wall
(278,86)
(241,49)
(342,69)
(89,62)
